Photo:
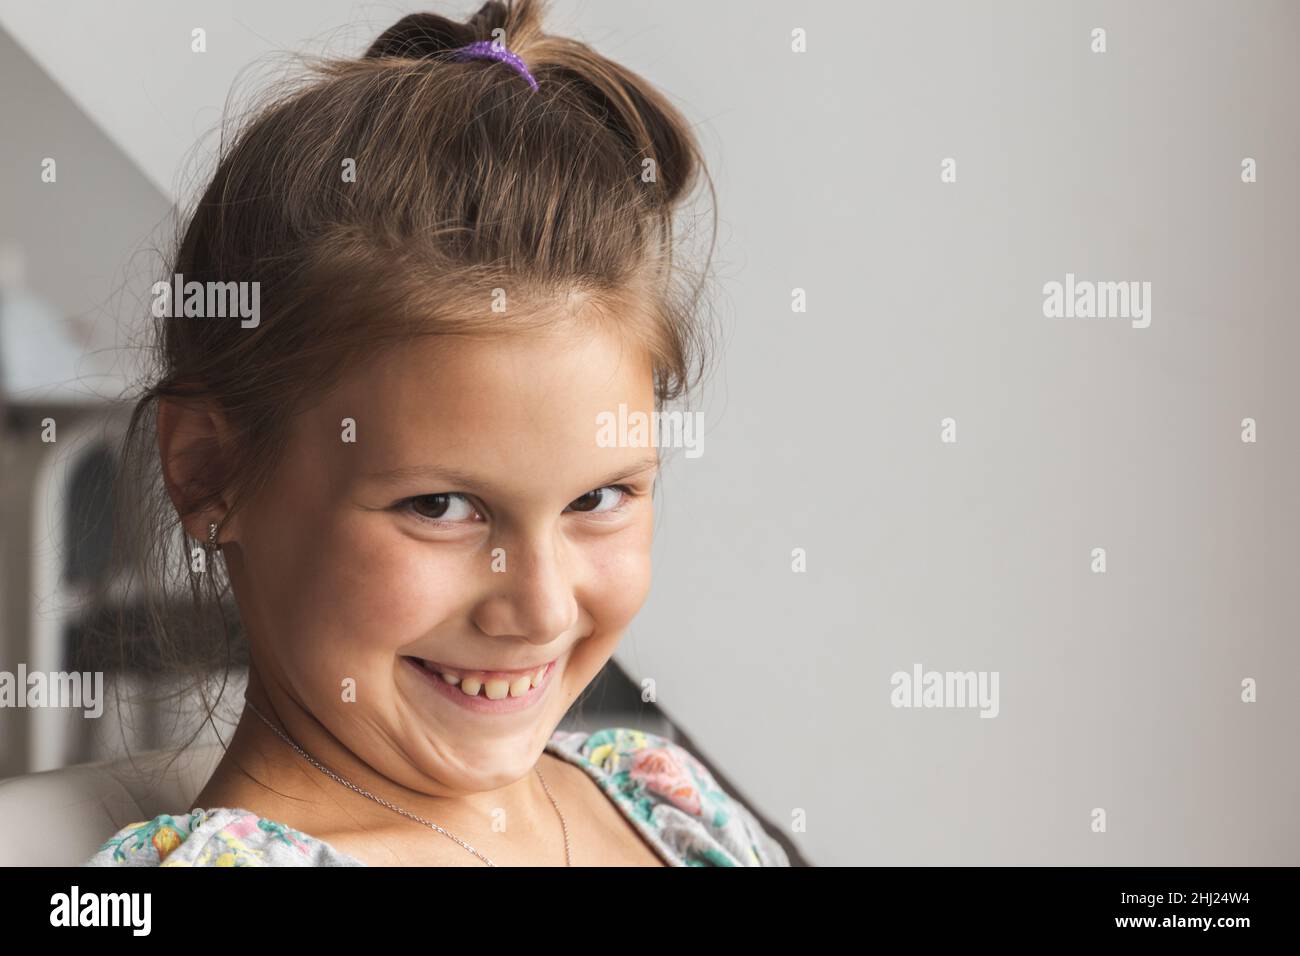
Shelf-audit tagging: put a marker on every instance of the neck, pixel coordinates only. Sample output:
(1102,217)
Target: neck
(273,774)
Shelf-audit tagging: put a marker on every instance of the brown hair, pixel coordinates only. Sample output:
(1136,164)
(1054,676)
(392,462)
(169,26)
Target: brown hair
(466,181)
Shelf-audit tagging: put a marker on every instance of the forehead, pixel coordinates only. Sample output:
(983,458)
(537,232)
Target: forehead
(525,403)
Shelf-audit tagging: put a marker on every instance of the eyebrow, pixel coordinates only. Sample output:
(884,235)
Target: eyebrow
(464,479)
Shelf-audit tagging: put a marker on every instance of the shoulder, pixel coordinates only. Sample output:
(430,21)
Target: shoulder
(667,791)
(221,836)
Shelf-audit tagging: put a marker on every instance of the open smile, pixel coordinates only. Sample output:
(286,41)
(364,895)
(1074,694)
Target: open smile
(491,692)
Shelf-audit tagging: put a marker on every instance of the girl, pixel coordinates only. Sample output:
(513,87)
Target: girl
(461,245)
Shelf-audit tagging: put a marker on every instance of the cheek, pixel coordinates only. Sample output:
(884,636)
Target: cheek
(620,578)
(352,592)
(391,589)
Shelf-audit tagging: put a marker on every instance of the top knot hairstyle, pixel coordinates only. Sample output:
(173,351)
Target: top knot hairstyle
(386,197)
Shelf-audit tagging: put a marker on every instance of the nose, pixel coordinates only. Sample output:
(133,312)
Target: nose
(532,599)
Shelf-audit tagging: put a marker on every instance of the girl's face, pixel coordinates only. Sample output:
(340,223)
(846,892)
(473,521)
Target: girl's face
(467,518)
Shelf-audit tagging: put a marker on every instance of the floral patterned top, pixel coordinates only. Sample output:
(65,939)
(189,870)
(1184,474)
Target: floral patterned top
(669,796)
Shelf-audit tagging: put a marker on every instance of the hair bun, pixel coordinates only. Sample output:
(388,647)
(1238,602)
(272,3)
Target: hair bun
(419,35)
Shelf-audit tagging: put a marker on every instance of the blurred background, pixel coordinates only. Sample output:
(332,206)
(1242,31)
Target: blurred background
(1119,690)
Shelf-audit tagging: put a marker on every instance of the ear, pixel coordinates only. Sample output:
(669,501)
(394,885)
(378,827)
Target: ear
(194,445)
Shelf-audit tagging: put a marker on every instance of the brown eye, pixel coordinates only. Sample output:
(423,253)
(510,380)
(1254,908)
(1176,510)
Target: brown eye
(441,507)
(596,501)
(430,506)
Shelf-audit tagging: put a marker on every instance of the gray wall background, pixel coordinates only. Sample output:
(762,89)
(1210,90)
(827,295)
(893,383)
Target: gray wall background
(1118,690)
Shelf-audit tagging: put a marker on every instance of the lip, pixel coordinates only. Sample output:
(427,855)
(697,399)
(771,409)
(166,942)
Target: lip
(488,674)
(479,704)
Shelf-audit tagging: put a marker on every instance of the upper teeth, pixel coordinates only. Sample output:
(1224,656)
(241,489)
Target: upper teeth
(494,688)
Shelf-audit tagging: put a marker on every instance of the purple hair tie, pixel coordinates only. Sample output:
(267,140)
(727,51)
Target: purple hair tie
(486,50)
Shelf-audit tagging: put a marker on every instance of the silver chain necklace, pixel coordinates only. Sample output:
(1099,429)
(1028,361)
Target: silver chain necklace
(407,813)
